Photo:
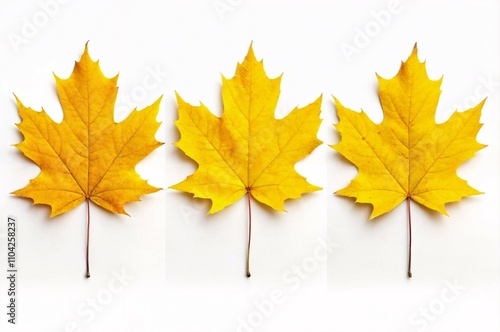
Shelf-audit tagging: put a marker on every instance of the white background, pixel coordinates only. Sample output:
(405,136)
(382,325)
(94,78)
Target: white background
(187,268)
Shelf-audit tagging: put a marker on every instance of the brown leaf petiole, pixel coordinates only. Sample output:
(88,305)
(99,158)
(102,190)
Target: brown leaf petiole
(409,233)
(88,236)
(249,232)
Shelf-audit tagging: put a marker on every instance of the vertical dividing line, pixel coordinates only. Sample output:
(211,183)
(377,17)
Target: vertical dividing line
(409,233)
(249,233)
(88,236)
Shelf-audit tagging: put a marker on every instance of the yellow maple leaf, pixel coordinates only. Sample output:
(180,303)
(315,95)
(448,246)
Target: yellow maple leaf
(408,156)
(87,156)
(247,150)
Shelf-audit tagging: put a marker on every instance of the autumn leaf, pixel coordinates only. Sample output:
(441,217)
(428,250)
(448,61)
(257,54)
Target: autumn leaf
(87,157)
(247,151)
(408,156)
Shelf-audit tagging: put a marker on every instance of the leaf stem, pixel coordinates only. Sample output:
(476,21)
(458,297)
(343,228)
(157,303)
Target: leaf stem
(409,233)
(88,236)
(249,233)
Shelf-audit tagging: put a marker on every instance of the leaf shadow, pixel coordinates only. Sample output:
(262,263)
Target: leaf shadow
(290,204)
(43,210)
(171,118)
(428,213)
(364,208)
(172,152)
(264,209)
